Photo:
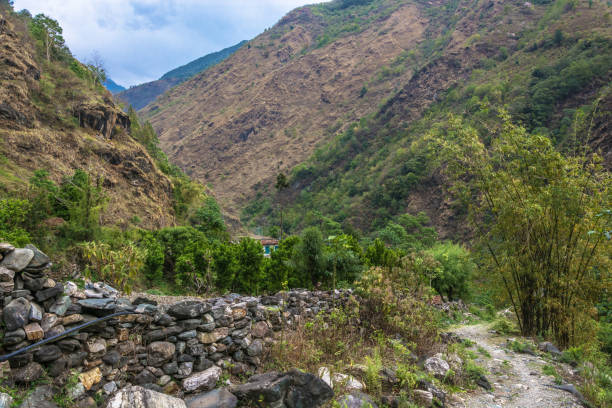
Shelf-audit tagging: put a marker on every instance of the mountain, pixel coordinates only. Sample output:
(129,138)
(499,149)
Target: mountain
(113,86)
(340,95)
(141,95)
(55,117)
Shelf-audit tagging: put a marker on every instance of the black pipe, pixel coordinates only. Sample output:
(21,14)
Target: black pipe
(63,334)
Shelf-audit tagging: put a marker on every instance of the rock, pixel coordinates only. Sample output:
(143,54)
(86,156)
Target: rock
(188,309)
(255,348)
(39,260)
(93,294)
(36,313)
(191,334)
(139,397)
(260,329)
(483,382)
(72,319)
(87,402)
(548,347)
(204,380)
(6,275)
(357,400)
(91,377)
(293,389)
(185,369)
(436,367)
(59,366)
(18,259)
(423,398)
(110,387)
(20,360)
(143,300)
(34,332)
(112,358)
(70,288)
(27,374)
(160,352)
(15,314)
(47,353)
(49,320)
(45,294)
(61,305)
(40,395)
(219,398)
(54,331)
(6,401)
(76,391)
(145,377)
(349,382)
(98,307)
(5,248)
(437,393)
(96,346)
(14,337)
(213,337)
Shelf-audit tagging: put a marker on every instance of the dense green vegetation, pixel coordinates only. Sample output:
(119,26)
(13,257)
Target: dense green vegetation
(186,71)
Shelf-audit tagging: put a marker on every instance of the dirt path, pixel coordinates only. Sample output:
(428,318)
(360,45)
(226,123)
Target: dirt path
(517,379)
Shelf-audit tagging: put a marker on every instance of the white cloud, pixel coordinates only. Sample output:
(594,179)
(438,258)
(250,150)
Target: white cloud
(140,40)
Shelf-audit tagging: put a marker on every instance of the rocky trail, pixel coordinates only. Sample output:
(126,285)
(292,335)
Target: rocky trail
(517,379)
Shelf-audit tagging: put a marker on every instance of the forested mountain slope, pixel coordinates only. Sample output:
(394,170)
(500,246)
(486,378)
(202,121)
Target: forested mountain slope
(338,94)
(55,116)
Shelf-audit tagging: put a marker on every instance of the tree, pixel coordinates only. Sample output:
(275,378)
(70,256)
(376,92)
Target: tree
(281,184)
(310,259)
(279,268)
(541,219)
(48,32)
(344,254)
(96,67)
(249,268)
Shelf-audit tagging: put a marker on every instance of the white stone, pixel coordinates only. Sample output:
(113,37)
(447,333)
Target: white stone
(205,380)
(138,397)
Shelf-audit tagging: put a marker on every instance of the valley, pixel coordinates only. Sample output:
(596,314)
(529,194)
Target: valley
(371,203)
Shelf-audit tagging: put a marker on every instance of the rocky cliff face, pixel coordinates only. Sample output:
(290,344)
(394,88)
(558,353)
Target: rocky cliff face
(52,120)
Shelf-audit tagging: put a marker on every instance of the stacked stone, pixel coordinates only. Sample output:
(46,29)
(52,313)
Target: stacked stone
(177,349)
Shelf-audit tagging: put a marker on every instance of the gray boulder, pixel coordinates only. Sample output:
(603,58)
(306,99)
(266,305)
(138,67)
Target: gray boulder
(18,259)
(436,367)
(139,397)
(188,309)
(15,314)
(39,260)
(27,374)
(219,398)
(293,389)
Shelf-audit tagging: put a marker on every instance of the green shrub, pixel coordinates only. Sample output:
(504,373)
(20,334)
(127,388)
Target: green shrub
(456,267)
(120,268)
(13,218)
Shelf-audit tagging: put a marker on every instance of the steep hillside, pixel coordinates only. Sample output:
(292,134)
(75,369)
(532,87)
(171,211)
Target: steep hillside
(348,89)
(54,116)
(141,95)
(267,107)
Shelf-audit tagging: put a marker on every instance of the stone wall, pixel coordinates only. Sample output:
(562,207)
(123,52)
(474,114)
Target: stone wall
(177,349)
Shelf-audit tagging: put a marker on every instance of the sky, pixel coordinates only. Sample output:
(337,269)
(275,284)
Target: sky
(140,40)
